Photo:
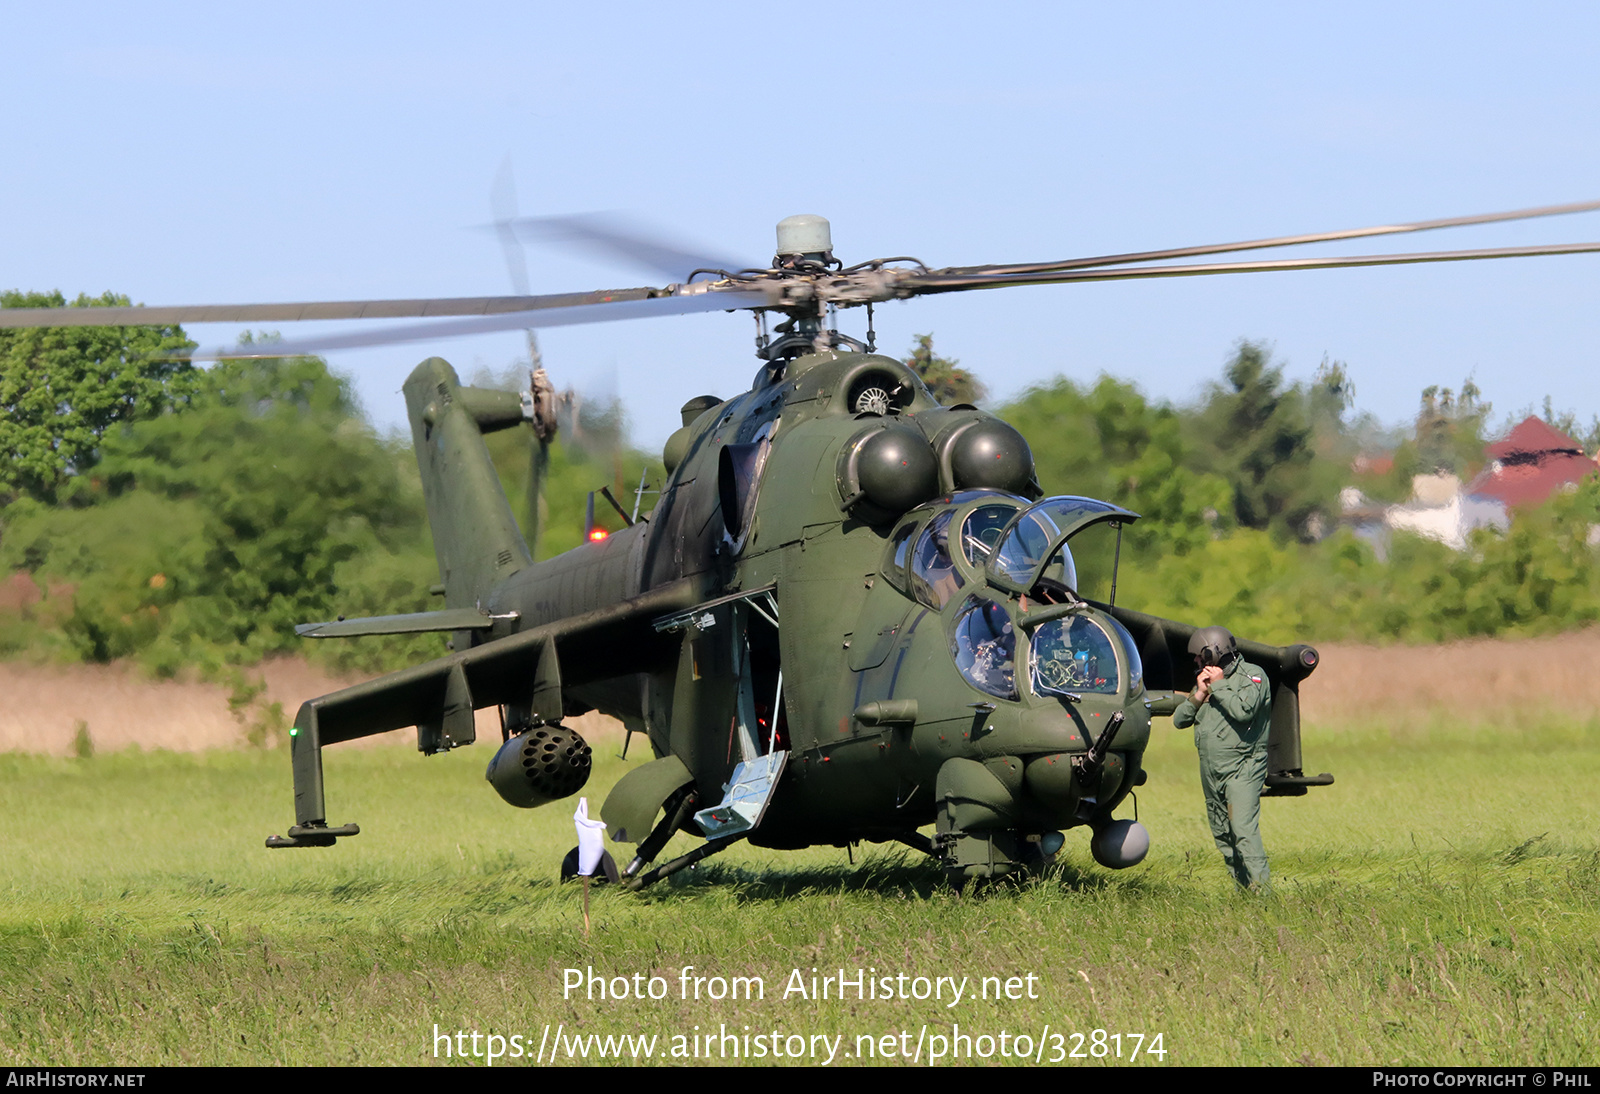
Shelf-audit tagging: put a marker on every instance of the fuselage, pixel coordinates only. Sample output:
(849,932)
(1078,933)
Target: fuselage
(898,647)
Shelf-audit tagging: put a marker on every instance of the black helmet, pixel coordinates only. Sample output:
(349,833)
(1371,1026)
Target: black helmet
(1214,646)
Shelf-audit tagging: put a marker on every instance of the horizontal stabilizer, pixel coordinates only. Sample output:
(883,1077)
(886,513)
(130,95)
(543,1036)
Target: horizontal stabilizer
(451,619)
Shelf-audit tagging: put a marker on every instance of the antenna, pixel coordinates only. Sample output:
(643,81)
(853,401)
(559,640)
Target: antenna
(639,493)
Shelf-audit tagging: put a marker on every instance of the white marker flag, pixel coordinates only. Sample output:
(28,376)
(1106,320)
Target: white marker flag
(591,845)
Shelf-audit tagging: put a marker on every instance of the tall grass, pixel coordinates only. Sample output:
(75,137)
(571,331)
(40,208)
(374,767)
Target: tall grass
(1439,905)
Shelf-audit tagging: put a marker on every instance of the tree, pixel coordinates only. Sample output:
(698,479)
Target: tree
(1258,433)
(61,388)
(209,531)
(1332,394)
(949,384)
(1109,442)
(1450,430)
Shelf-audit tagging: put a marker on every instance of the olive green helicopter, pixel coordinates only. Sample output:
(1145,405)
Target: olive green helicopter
(853,612)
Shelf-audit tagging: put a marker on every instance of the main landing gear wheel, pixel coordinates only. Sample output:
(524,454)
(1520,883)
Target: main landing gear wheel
(607,871)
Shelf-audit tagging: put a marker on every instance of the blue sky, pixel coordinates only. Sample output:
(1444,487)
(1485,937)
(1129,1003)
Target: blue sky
(189,153)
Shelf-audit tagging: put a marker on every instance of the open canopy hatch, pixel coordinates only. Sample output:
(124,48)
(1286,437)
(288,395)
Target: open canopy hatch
(1032,538)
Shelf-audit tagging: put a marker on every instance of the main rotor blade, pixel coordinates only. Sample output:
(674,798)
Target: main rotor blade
(939,281)
(592,312)
(1278,241)
(141,316)
(612,238)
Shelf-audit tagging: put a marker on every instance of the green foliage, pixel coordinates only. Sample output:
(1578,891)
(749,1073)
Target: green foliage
(1332,394)
(266,385)
(212,530)
(949,384)
(1448,437)
(82,741)
(115,554)
(62,388)
(1262,436)
(1255,448)
(260,501)
(1542,576)
(1109,442)
(1450,430)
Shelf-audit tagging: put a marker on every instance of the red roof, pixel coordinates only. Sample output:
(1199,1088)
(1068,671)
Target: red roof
(1533,435)
(1533,462)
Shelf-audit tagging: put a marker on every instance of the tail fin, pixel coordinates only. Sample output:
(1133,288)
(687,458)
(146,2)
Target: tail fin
(474,533)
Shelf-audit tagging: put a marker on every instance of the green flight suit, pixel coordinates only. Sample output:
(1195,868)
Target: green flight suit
(1230,733)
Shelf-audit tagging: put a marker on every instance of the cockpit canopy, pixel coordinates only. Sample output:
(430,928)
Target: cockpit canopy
(943,546)
(1077,654)
(987,544)
(1026,546)
(1068,656)
(990,537)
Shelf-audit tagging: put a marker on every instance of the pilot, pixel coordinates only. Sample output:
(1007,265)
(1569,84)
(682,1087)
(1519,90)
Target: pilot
(1230,708)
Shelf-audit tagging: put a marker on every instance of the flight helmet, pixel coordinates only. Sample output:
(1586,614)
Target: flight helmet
(1214,646)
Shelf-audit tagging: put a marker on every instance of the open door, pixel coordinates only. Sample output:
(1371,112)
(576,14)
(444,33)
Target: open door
(728,721)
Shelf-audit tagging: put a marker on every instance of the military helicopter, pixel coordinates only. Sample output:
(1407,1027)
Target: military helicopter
(852,613)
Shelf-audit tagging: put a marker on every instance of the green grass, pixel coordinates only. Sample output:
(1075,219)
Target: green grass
(1439,905)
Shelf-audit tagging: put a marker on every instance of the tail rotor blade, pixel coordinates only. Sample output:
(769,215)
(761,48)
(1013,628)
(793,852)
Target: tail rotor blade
(503,206)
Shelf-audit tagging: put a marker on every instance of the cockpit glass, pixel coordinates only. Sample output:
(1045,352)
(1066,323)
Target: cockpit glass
(934,578)
(1072,655)
(980,531)
(984,647)
(1023,550)
(1130,652)
(899,555)
(1062,568)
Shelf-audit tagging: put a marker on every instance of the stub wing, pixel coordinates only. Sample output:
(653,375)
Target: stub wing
(451,619)
(439,697)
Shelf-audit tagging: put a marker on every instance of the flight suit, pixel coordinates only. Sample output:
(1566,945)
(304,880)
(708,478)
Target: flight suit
(1230,733)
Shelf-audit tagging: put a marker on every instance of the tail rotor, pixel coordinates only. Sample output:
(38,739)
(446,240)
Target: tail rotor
(540,400)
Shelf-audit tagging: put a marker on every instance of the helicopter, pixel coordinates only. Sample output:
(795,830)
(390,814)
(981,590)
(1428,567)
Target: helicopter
(852,613)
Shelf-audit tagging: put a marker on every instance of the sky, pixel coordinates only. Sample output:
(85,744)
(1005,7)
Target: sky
(205,153)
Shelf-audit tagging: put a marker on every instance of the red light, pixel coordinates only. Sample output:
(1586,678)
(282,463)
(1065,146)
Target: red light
(597,535)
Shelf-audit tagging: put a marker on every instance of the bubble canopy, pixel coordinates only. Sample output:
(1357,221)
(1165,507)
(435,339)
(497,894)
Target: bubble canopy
(1034,535)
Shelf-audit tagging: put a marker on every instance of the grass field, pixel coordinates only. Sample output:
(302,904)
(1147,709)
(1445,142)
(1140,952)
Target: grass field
(1439,905)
